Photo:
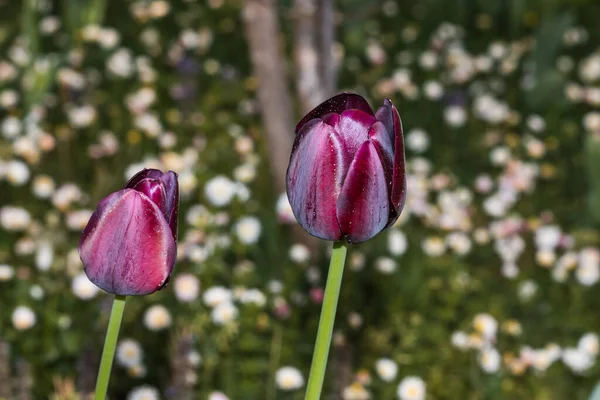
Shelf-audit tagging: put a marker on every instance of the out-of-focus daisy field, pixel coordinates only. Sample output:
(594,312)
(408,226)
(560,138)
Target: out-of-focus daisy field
(487,287)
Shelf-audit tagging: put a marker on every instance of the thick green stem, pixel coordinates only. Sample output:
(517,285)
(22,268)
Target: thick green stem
(332,293)
(110,343)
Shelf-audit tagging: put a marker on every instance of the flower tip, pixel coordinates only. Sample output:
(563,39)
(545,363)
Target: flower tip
(337,104)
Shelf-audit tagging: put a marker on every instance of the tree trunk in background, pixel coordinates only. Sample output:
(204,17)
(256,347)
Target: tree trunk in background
(181,387)
(315,66)
(23,381)
(88,363)
(5,378)
(262,31)
(327,62)
(268,62)
(306,55)
(342,368)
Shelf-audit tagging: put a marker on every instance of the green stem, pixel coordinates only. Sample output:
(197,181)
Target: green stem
(110,343)
(332,293)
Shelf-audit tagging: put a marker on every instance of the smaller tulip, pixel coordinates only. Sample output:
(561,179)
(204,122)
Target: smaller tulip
(129,244)
(346,178)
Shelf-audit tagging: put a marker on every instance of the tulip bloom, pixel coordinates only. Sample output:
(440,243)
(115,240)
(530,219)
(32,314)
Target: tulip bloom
(346,177)
(129,245)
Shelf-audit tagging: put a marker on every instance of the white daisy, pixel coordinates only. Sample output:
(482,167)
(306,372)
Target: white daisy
(411,388)
(289,378)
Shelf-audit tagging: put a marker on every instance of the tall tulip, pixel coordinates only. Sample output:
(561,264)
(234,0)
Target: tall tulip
(346,177)
(346,182)
(129,247)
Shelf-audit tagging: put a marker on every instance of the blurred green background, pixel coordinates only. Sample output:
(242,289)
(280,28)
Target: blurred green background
(486,288)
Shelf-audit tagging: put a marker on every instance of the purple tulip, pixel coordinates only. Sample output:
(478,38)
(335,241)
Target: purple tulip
(346,177)
(129,245)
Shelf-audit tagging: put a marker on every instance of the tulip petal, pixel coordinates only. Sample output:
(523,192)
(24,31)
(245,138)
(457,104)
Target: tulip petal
(391,119)
(331,119)
(354,126)
(337,104)
(363,204)
(143,174)
(317,168)
(127,248)
(381,139)
(172,192)
(385,114)
(155,190)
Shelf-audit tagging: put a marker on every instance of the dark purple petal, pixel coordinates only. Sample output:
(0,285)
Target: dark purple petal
(363,204)
(317,168)
(127,248)
(171,183)
(381,139)
(155,190)
(337,104)
(391,119)
(353,127)
(331,119)
(385,114)
(143,174)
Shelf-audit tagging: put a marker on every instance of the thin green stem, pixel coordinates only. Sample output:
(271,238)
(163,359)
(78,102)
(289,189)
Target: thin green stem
(110,343)
(330,301)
